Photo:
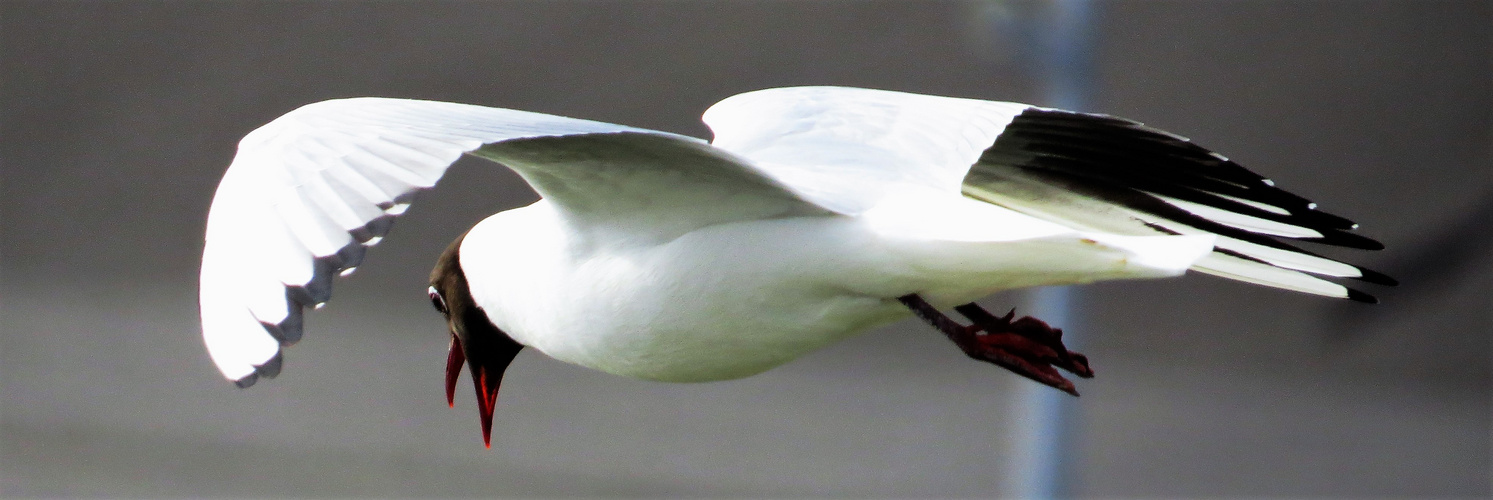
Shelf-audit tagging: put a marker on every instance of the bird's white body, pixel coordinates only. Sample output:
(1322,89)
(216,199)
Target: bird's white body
(709,305)
(732,300)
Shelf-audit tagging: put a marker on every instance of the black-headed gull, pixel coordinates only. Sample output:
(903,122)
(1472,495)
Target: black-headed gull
(815,213)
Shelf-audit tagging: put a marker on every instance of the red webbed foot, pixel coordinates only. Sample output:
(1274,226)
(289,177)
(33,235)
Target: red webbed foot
(1027,346)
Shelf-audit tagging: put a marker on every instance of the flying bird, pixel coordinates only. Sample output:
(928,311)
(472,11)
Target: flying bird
(814,214)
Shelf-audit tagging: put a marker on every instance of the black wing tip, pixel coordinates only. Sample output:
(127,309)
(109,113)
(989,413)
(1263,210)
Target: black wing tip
(1035,124)
(1377,278)
(1357,296)
(1039,114)
(1340,238)
(1328,220)
(1033,141)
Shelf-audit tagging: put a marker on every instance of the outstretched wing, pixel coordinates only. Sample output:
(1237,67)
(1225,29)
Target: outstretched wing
(848,148)
(309,192)
(1102,173)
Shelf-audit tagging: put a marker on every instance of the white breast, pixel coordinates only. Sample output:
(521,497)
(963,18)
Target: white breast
(731,300)
(723,302)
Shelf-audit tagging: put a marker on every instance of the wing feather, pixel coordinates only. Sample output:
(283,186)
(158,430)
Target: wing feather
(1111,174)
(309,192)
(849,148)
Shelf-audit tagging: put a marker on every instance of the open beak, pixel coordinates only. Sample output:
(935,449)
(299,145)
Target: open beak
(488,356)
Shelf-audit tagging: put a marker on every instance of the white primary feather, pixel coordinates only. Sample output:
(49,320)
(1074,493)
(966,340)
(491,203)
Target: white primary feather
(1245,222)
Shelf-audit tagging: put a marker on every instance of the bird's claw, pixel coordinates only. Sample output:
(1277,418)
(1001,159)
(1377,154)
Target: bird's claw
(1027,346)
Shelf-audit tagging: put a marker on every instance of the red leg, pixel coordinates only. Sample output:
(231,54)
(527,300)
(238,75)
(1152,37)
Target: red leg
(1026,346)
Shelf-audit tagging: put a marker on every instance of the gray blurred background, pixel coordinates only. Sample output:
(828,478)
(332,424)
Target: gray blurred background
(119,118)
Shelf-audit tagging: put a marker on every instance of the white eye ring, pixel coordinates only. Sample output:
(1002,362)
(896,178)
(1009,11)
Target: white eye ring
(436,300)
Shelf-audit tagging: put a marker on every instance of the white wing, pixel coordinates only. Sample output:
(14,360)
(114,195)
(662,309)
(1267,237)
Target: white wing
(310,191)
(849,148)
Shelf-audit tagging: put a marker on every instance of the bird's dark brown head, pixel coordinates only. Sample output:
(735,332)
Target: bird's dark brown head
(475,341)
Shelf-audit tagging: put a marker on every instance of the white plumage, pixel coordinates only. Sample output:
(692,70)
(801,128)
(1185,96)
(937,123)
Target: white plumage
(812,211)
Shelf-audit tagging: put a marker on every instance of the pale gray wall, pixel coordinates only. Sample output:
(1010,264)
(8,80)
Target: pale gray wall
(117,119)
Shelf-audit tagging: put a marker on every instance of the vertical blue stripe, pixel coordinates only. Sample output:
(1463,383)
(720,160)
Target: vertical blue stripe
(1060,42)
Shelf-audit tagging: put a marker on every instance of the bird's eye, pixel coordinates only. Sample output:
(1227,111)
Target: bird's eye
(437,301)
